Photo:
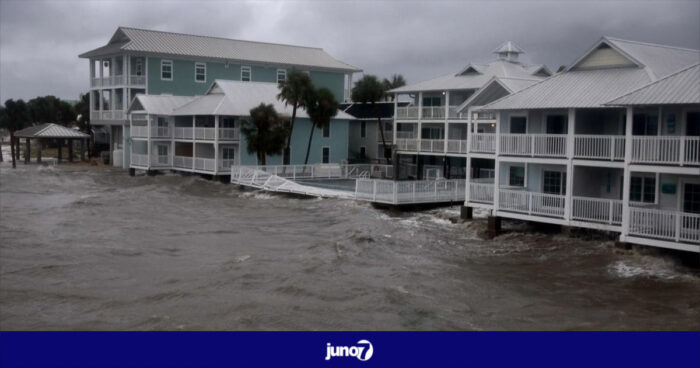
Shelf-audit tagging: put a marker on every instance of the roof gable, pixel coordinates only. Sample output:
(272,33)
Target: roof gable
(602,56)
(470,69)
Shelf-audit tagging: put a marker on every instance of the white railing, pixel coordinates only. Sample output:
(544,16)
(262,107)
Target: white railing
(484,116)
(531,203)
(667,225)
(204,133)
(484,143)
(407,144)
(204,164)
(669,150)
(606,211)
(137,80)
(327,171)
(229,134)
(161,160)
(407,112)
(481,192)
(546,145)
(226,163)
(432,145)
(599,147)
(139,131)
(107,115)
(139,159)
(414,191)
(117,80)
(452,113)
(184,162)
(433,113)
(457,146)
(406,135)
(182,132)
(160,132)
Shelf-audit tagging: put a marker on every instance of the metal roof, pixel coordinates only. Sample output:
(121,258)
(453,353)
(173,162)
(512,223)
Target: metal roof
(494,89)
(682,87)
(475,76)
(591,88)
(180,44)
(508,47)
(158,104)
(49,130)
(237,98)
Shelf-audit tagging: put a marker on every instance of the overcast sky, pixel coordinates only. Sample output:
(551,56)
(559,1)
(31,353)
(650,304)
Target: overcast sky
(40,40)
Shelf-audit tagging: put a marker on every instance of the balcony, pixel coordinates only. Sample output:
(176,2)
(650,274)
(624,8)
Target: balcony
(665,225)
(457,146)
(118,80)
(453,114)
(406,192)
(204,133)
(142,160)
(540,145)
(183,133)
(597,210)
(429,113)
(183,162)
(484,116)
(599,147)
(407,144)
(432,145)
(160,132)
(666,150)
(433,113)
(229,134)
(107,115)
(531,203)
(139,131)
(481,191)
(196,163)
(407,113)
(483,143)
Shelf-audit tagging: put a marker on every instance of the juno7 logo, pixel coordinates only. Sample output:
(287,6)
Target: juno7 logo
(363,351)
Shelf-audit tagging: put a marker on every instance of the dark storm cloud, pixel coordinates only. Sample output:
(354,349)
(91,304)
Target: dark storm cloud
(40,41)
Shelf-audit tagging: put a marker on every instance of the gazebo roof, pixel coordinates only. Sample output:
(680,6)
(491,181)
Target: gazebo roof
(49,130)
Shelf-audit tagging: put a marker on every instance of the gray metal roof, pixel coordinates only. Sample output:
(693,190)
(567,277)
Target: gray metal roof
(494,89)
(237,98)
(475,76)
(158,104)
(508,47)
(591,88)
(178,44)
(682,87)
(49,130)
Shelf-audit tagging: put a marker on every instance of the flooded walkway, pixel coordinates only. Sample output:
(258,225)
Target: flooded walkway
(84,248)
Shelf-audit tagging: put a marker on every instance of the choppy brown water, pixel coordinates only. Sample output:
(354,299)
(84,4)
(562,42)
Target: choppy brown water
(91,249)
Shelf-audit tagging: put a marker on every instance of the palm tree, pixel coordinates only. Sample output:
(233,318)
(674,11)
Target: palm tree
(370,90)
(293,92)
(396,81)
(321,106)
(265,132)
(14,118)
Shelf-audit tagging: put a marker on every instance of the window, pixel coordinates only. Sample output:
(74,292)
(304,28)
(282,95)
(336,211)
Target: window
(138,67)
(245,74)
(326,155)
(228,122)
(327,130)
(516,176)
(554,182)
(643,189)
(431,101)
(557,124)
(166,69)
(162,154)
(644,124)
(363,129)
(363,152)
(691,198)
(228,153)
(518,125)
(200,72)
(281,75)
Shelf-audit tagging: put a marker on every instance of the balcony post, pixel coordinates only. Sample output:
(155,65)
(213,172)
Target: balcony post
(420,118)
(469,130)
(496,184)
(216,143)
(467,180)
(393,122)
(570,138)
(148,139)
(194,145)
(627,174)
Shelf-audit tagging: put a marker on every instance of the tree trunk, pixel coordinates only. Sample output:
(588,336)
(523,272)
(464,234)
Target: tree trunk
(1,158)
(308,147)
(12,149)
(286,160)
(387,155)
(17,143)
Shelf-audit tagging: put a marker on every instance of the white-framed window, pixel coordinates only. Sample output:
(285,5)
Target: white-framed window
(516,176)
(281,75)
(326,155)
(228,153)
(138,67)
(200,72)
(518,124)
(554,182)
(166,70)
(327,131)
(246,74)
(162,154)
(363,129)
(643,189)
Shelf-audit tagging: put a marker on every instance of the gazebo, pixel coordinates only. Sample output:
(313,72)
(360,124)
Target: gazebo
(52,131)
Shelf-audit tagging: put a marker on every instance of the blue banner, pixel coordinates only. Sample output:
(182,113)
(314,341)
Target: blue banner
(350,349)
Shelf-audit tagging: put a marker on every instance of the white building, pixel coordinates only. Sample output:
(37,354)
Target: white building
(610,143)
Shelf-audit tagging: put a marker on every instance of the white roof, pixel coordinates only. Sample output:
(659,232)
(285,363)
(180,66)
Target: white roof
(508,47)
(167,43)
(50,130)
(474,76)
(158,104)
(237,98)
(494,89)
(682,87)
(590,88)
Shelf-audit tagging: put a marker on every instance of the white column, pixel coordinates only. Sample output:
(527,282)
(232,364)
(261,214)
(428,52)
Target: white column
(194,145)
(496,183)
(396,109)
(349,88)
(447,113)
(148,140)
(216,143)
(627,176)
(420,118)
(468,180)
(568,202)
(469,130)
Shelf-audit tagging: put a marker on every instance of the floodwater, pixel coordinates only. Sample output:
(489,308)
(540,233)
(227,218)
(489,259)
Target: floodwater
(88,248)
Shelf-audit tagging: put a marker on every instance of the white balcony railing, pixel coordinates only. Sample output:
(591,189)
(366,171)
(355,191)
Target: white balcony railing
(531,203)
(666,150)
(433,113)
(226,163)
(407,112)
(107,115)
(599,147)
(183,132)
(598,210)
(137,80)
(483,143)
(229,134)
(204,133)
(481,192)
(139,159)
(407,144)
(432,145)
(457,146)
(139,131)
(161,160)
(117,80)
(543,145)
(184,162)
(204,164)
(484,116)
(414,191)
(406,135)
(160,132)
(666,225)
(453,114)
